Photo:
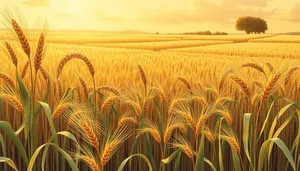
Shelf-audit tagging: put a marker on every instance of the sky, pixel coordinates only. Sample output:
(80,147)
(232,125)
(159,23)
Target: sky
(158,15)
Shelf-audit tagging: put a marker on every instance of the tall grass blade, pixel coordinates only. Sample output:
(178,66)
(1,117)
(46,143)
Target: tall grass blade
(6,127)
(9,162)
(122,165)
(266,147)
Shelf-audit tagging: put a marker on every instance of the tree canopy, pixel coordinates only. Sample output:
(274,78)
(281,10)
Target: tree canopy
(251,25)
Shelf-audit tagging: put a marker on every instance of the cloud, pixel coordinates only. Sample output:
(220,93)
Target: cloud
(207,11)
(37,3)
(294,12)
(64,15)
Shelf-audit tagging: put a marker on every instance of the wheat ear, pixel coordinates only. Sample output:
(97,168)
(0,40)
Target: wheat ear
(84,87)
(185,82)
(90,133)
(24,70)
(242,84)
(7,79)
(270,86)
(254,66)
(12,54)
(91,162)
(22,38)
(69,57)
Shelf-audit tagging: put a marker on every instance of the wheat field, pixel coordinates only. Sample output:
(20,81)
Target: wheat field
(91,101)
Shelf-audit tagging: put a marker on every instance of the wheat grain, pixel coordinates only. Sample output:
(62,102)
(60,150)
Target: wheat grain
(84,87)
(233,143)
(126,120)
(110,89)
(91,162)
(7,79)
(143,75)
(44,73)
(22,38)
(108,102)
(39,53)
(270,86)
(242,84)
(90,133)
(13,100)
(12,54)
(24,70)
(59,88)
(108,150)
(185,82)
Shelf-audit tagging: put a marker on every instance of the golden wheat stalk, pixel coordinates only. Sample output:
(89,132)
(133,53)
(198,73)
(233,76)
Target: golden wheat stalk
(39,53)
(281,90)
(13,100)
(22,38)
(233,143)
(200,100)
(59,88)
(272,83)
(242,84)
(222,82)
(91,162)
(161,95)
(200,125)
(212,91)
(185,82)
(146,104)
(24,70)
(44,73)
(221,100)
(223,79)
(254,66)
(108,102)
(108,150)
(143,75)
(258,83)
(227,116)
(289,74)
(69,57)
(181,143)
(255,99)
(84,87)
(174,103)
(59,110)
(136,108)
(7,80)
(270,66)
(189,119)
(12,54)
(155,134)
(113,143)
(183,129)
(187,150)
(208,134)
(125,121)
(90,134)
(169,132)
(110,89)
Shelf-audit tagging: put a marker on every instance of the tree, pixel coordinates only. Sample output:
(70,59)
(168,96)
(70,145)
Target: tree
(251,25)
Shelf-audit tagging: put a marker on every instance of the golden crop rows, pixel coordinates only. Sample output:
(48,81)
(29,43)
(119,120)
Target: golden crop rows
(196,108)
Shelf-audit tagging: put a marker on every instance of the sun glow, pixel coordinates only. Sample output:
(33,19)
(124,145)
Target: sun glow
(68,6)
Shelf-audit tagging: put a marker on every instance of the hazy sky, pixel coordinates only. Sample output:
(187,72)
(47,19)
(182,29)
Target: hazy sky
(159,15)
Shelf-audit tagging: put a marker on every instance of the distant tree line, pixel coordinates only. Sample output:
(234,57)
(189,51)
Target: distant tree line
(198,33)
(204,33)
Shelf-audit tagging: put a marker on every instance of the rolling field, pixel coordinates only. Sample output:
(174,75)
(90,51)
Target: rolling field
(170,102)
